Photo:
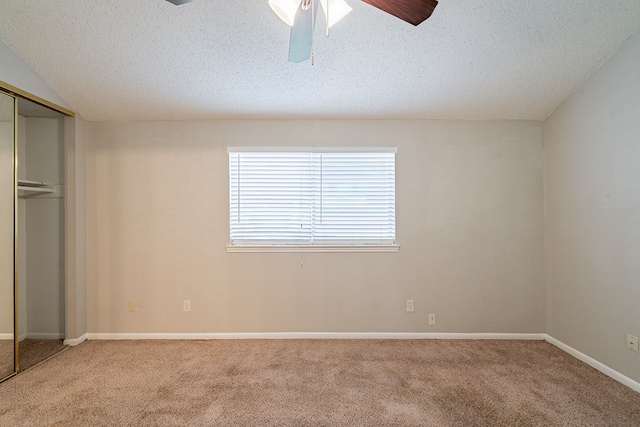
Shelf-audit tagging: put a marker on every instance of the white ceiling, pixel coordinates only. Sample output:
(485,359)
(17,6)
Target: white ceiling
(209,59)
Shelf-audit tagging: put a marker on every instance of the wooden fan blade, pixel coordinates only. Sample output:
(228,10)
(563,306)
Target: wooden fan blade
(411,11)
(301,40)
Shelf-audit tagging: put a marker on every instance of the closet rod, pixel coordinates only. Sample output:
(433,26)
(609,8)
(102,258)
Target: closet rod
(35,189)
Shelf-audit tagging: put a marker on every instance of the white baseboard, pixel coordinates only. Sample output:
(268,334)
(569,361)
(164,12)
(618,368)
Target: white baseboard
(75,341)
(632,384)
(311,335)
(6,336)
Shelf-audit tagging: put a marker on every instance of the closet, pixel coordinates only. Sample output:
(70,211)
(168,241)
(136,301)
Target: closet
(32,234)
(40,233)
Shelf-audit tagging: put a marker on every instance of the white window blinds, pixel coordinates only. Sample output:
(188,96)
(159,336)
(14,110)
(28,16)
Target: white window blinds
(312,197)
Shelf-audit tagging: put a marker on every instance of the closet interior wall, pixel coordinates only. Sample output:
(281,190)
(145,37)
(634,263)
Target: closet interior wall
(41,292)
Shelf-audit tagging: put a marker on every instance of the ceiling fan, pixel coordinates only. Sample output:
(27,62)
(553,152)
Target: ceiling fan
(301,16)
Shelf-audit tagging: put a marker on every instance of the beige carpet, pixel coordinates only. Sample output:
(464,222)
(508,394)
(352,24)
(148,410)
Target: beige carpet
(316,383)
(6,357)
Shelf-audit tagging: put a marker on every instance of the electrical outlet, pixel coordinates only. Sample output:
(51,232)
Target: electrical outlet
(186,305)
(632,343)
(132,306)
(432,320)
(410,305)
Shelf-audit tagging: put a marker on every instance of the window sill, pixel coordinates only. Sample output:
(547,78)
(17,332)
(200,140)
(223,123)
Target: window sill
(310,248)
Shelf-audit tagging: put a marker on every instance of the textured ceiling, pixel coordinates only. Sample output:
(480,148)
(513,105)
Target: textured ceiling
(148,59)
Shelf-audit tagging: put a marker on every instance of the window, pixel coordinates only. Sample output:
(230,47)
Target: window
(312,198)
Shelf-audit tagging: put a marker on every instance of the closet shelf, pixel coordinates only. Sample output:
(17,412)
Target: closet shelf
(34,186)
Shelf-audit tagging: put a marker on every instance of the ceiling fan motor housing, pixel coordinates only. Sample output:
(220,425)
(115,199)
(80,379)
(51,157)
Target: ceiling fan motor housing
(179,2)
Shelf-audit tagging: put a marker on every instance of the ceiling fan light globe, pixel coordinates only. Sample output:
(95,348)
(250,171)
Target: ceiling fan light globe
(285,9)
(337,9)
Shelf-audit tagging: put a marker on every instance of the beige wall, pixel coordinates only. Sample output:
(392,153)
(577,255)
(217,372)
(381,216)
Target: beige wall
(76,227)
(469,222)
(592,152)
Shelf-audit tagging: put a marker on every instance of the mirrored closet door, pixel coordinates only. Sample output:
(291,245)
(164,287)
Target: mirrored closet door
(7,229)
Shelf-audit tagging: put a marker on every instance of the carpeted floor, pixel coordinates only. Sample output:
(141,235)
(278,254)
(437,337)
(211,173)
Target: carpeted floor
(6,357)
(316,383)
